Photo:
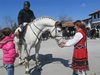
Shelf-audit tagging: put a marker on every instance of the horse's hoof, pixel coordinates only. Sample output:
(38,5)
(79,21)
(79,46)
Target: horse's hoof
(39,68)
(20,63)
(27,72)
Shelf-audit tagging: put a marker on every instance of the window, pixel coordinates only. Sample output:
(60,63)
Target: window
(94,16)
(98,15)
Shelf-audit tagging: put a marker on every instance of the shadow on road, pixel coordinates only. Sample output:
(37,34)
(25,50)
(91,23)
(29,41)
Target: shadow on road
(44,60)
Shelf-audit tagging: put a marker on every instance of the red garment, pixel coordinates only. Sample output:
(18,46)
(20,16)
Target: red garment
(80,56)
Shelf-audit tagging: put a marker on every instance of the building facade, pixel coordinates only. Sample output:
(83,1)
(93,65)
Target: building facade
(94,20)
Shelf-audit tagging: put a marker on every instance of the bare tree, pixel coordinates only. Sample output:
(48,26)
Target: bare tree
(65,18)
(9,22)
(14,26)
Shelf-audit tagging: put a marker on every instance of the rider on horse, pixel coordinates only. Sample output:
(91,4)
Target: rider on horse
(25,16)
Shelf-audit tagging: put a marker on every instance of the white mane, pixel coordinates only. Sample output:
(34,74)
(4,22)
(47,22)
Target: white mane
(44,21)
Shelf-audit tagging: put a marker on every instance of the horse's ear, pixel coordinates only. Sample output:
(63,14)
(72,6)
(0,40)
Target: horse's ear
(58,24)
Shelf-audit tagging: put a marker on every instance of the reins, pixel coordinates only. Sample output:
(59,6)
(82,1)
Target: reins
(55,28)
(34,31)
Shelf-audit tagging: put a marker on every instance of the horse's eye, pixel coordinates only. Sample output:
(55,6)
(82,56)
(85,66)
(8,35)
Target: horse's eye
(59,30)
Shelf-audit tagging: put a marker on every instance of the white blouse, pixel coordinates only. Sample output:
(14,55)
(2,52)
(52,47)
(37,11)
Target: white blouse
(78,36)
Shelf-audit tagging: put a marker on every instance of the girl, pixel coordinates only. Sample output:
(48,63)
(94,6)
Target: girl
(9,51)
(80,54)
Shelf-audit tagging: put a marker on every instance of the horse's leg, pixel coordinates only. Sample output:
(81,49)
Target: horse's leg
(19,50)
(26,66)
(26,59)
(37,48)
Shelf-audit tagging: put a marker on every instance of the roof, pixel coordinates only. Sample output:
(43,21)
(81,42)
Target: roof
(86,19)
(94,12)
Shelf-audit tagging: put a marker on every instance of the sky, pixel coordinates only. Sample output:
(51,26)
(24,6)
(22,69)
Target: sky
(75,9)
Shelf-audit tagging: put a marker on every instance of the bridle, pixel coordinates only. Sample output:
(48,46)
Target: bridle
(55,28)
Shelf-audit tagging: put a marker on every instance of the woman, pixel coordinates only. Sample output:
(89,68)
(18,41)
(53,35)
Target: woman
(80,54)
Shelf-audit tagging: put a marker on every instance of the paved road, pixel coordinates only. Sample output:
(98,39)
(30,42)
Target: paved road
(55,60)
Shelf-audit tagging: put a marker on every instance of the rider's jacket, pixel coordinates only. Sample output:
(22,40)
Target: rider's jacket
(25,16)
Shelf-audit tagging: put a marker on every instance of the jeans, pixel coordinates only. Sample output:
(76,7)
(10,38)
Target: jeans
(9,68)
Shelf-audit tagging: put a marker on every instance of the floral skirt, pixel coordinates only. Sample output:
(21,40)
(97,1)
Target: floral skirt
(80,59)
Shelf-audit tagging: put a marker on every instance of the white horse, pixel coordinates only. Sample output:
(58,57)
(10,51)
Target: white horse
(32,37)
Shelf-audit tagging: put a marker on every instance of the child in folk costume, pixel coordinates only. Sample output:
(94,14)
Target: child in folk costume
(9,51)
(80,54)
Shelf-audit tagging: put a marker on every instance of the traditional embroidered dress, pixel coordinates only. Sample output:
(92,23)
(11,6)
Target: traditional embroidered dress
(80,54)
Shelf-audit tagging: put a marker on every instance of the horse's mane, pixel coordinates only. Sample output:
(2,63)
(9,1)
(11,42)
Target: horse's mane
(43,17)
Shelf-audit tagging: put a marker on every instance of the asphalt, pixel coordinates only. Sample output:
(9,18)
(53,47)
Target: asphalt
(56,61)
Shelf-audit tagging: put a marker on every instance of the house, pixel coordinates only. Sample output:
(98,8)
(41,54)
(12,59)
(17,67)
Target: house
(94,20)
(87,22)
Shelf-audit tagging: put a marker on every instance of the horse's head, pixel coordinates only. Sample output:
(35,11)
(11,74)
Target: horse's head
(56,31)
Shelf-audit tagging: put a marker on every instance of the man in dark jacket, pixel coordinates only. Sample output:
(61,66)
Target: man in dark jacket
(25,14)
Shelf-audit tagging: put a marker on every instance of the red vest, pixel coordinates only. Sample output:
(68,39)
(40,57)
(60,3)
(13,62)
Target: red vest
(83,40)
